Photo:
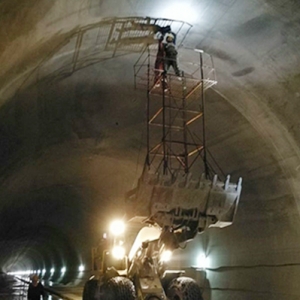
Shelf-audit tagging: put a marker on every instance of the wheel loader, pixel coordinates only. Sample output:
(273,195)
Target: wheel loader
(172,213)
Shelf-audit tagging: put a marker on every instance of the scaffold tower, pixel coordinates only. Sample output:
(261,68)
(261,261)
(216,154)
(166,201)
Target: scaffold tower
(176,136)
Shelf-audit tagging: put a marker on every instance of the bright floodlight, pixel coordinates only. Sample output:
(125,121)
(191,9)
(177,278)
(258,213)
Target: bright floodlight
(81,268)
(118,252)
(166,255)
(63,269)
(117,227)
(52,271)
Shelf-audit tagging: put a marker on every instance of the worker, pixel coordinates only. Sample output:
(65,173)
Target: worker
(159,61)
(170,53)
(166,54)
(35,289)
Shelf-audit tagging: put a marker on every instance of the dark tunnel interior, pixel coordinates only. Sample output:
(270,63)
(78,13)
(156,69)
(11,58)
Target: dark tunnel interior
(73,132)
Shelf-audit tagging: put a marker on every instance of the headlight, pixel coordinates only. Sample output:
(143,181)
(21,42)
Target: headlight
(117,227)
(118,252)
(166,255)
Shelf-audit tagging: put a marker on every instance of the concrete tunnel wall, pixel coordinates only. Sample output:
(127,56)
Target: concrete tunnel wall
(67,152)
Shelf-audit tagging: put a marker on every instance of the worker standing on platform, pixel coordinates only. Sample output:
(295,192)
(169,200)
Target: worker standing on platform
(170,53)
(159,61)
(166,54)
(35,289)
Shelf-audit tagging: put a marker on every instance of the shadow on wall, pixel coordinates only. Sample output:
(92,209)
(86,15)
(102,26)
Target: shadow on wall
(206,290)
(25,15)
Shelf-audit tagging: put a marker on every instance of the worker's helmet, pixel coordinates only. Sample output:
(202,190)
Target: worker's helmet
(170,38)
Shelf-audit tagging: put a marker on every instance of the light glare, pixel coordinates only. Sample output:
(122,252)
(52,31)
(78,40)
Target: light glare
(117,227)
(181,11)
(81,268)
(202,261)
(166,255)
(118,252)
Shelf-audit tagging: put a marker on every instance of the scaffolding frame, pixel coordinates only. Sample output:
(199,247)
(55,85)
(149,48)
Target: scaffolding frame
(175,111)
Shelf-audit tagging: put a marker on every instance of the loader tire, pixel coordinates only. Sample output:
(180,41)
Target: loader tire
(184,288)
(90,290)
(118,288)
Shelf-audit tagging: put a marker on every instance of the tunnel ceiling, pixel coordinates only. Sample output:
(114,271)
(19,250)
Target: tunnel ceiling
(73,133)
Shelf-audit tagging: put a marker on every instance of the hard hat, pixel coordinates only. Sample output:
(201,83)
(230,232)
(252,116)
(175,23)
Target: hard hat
(169,37)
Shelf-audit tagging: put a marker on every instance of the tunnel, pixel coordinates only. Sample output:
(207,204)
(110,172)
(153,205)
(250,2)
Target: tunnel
(73,133)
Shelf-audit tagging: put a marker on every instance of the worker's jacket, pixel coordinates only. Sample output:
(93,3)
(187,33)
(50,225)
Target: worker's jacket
(170,50)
